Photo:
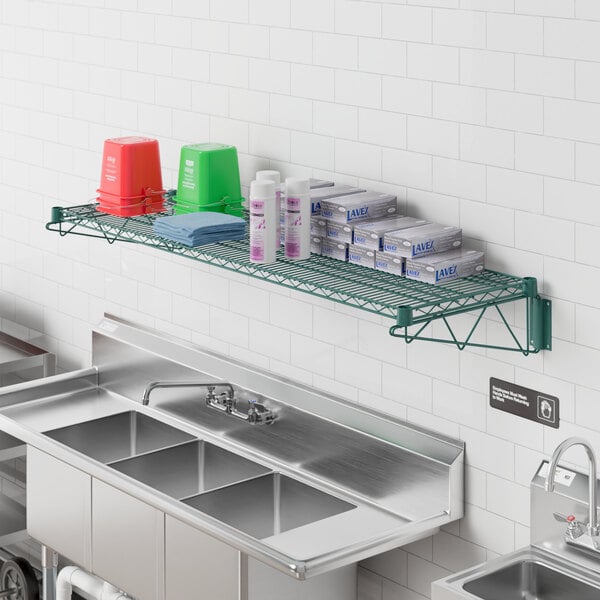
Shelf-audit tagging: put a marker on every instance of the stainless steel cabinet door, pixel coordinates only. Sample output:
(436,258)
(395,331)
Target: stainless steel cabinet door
(199,567)
(128,542)
(59,504)
(265,583)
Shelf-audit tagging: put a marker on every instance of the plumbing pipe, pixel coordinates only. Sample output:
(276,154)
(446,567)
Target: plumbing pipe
(75,579)
(49,573)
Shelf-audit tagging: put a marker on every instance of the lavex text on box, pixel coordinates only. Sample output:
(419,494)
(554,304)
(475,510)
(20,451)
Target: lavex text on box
(424,240)
(318,195)
(390,263)
(370,235)
(333,249)
(446,266)
(359,207)
(361,256)
(342,232)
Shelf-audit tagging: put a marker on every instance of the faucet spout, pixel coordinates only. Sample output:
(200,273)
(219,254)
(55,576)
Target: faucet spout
(549,484)
(179,384)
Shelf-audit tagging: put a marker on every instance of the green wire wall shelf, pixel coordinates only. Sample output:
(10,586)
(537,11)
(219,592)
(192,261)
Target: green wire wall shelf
(412,304)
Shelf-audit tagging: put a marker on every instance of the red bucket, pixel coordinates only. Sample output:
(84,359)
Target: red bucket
(151,202)
(130,167)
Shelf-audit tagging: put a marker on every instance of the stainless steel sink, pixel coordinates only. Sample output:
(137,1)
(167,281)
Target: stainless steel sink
(530,580)
(189,469)
(269,505)
(531,573)
(330,505)
(119,436)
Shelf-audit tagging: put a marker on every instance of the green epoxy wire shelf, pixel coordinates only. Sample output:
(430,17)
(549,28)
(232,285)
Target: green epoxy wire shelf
(412,304)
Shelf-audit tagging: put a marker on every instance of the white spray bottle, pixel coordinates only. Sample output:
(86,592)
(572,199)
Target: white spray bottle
(297,218)
(275,177)
(263,224)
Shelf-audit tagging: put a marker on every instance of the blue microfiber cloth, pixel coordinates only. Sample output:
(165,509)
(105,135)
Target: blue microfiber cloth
(207,239)
(200,222)
(196,229)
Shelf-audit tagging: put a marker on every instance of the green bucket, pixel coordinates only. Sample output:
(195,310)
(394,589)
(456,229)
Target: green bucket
(235,208)
(208,173)
(183,208)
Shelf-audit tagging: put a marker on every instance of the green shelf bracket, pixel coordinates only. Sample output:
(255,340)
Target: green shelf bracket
(411,304)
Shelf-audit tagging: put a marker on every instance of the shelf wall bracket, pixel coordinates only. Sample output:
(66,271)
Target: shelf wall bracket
(538,324)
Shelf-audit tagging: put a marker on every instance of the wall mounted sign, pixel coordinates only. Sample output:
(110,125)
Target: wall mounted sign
(524,402)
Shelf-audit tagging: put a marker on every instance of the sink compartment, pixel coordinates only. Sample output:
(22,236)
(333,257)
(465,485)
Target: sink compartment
(530,580)
(189,469)
(119,436)
(269,505)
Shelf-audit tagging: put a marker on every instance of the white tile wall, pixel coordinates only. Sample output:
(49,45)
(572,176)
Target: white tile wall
(481,113)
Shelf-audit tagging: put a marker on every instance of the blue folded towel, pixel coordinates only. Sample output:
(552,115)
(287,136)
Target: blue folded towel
(207,239)
(196,229)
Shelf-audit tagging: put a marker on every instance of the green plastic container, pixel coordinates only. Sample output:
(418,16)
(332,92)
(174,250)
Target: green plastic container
(237,210)
(183,208)
(208,174)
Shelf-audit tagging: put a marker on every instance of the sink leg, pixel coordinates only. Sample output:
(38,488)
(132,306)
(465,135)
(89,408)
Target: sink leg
(49,572)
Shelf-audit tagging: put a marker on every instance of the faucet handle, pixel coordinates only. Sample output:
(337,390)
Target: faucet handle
(561,518)
(574,529)
(259,413)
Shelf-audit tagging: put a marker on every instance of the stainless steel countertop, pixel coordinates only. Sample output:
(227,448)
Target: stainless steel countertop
(405,482)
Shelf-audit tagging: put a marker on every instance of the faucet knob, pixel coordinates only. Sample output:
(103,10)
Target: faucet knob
(574,529)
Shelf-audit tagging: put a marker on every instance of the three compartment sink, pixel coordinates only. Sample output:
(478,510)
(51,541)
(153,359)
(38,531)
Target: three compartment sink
(530,580)
(119,436)
(189,469)
(269,505)
(329,484)
(201,474)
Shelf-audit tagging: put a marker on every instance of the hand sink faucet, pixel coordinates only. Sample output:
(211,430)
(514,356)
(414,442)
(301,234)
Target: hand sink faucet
(225,401)
(575,535)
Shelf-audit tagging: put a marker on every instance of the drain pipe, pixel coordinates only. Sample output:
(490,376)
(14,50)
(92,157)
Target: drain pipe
(49,571)
(72,579)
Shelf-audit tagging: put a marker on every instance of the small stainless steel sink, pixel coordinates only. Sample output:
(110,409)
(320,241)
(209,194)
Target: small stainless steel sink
(531,573)
(530,580)
(269,505)
(119,436)
(189,469)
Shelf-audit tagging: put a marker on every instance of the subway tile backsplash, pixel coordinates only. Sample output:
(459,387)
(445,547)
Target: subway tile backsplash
(483,114)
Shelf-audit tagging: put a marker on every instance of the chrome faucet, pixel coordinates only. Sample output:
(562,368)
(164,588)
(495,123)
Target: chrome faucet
(575,534)
(210,398)
(225,401)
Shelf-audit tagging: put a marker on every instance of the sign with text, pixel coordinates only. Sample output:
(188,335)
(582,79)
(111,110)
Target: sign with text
(524,402)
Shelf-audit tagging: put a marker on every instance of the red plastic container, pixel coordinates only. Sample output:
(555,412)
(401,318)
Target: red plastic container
(131,179)
(142,206)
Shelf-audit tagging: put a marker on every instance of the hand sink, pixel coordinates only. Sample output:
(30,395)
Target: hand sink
(119,436)
(269,505)
(530,580)
(189,469)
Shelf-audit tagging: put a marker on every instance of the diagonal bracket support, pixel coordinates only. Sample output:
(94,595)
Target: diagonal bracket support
(538,324)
